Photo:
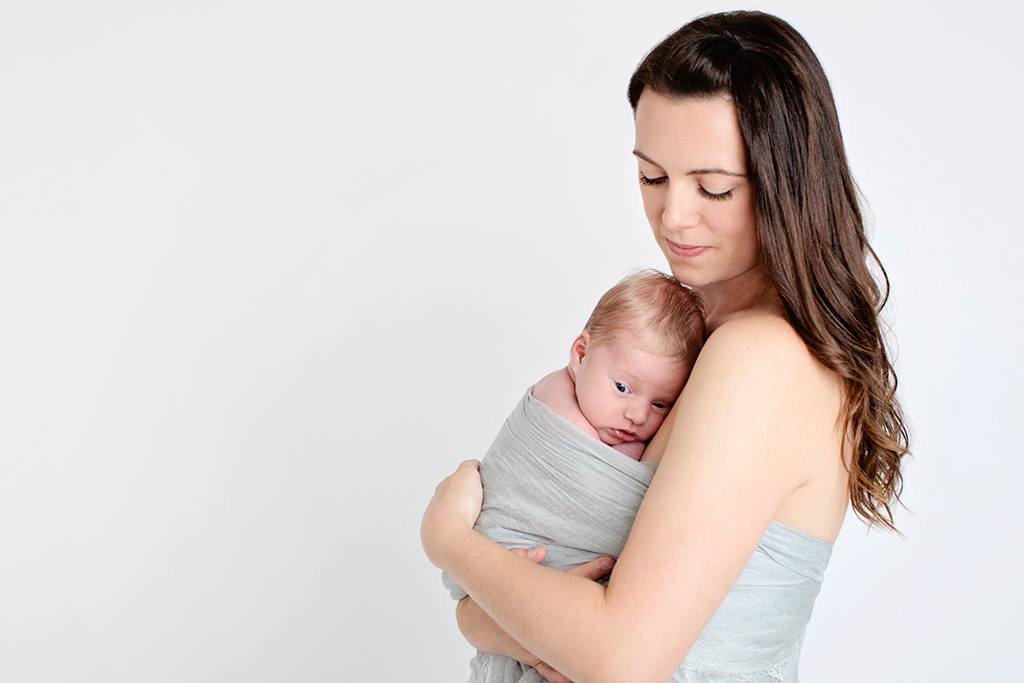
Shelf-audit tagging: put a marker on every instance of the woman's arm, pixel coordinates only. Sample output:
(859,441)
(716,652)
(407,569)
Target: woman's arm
(486,635)
(737,449)
(496,641)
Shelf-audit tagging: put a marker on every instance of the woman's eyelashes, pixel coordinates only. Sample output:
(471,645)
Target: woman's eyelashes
(716,197)
(652,181)
(704,193)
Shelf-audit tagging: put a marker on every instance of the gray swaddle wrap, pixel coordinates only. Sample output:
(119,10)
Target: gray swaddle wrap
(545,482)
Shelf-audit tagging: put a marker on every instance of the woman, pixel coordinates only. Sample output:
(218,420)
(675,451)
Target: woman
(788,417)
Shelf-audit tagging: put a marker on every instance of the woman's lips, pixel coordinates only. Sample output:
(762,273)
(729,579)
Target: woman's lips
(685,249)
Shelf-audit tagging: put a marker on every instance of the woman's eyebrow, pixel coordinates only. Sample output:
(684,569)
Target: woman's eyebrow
(698,171)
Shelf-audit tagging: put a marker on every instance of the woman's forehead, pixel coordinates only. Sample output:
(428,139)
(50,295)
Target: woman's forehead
(688,134)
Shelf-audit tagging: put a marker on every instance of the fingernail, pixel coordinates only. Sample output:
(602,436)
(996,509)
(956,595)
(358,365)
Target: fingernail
(606,563)
(534,552)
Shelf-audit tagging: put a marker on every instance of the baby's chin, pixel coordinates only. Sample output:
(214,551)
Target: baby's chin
(633,449)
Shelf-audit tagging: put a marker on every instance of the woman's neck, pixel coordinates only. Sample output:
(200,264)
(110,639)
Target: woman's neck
(746,293)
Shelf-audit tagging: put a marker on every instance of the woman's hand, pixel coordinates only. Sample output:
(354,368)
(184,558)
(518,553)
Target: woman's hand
(484,634)
(454,507)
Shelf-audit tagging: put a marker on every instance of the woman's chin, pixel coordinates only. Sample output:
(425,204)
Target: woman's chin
(687,274)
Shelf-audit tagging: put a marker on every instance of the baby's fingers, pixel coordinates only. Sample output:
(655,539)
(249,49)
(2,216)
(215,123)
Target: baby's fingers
(535,554)
(550,674)
(594,569)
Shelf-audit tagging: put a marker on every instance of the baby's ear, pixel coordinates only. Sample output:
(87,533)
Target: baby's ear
(578,350)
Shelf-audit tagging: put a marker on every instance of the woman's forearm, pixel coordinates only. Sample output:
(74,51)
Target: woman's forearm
(530,602)
(485,635)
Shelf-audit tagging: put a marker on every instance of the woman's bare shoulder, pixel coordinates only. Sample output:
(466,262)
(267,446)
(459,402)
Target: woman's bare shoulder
(766,354)
(764,338)
(755,330)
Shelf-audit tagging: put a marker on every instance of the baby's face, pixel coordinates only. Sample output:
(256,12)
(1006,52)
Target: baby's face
(624,391)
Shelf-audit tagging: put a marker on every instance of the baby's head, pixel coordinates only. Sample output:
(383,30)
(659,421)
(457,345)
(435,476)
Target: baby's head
(634,355)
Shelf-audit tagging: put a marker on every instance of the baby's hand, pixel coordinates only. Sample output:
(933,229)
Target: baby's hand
(634,449)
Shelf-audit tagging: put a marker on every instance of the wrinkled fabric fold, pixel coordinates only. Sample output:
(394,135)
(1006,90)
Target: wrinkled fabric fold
(545,482)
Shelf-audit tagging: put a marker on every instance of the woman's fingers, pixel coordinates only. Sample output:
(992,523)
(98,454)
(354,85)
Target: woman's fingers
(471,464)
(550,674)
(594,569)
(456,503)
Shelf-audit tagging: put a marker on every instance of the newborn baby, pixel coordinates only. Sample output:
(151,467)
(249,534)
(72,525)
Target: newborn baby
(630,362)
(556,474)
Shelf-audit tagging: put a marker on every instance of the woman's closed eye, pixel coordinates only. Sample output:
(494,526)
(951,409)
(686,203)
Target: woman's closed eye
(652,181)
(711,195)
(704,193)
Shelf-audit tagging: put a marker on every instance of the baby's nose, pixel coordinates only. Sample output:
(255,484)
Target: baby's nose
(637,412)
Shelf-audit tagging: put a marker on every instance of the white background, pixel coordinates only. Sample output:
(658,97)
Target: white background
(269,270)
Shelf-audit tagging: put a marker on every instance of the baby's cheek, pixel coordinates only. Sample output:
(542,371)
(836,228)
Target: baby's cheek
(655,422)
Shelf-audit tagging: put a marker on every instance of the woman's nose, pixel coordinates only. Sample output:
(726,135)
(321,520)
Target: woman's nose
(680,210)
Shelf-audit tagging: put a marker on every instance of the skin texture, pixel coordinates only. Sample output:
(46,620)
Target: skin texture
(753,437)
(485,635)
(611,389)
(682,138)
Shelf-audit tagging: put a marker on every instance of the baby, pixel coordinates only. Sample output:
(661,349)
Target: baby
(630,362)
(549,478)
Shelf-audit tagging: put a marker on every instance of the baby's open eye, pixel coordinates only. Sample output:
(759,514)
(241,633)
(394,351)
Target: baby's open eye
(661,406)
(622,388)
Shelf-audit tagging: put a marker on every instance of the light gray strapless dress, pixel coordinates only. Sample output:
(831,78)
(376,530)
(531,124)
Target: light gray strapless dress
(548,483)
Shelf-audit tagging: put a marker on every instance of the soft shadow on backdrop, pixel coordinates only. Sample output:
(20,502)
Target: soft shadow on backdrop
(269,272)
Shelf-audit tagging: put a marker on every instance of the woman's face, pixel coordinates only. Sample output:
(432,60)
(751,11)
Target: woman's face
(695,191)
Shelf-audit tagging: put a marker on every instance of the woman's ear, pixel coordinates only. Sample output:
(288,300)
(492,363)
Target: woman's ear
(577,351)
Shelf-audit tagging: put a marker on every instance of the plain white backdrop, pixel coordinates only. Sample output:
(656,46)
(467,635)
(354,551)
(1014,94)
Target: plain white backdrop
(269,271)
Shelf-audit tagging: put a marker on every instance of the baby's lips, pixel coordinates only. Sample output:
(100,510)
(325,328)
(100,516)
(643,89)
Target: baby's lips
(625,435)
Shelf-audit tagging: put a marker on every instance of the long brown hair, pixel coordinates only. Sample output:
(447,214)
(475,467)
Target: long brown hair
(809,226)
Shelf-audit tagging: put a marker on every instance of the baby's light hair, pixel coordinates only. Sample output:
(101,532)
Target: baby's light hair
(656,310)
